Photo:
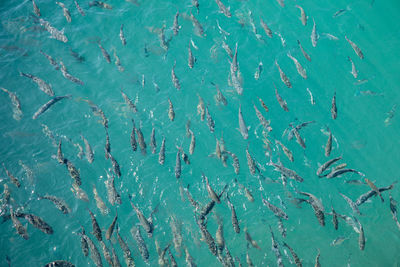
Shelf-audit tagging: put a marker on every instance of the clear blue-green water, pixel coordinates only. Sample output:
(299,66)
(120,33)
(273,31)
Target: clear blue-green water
(361,136)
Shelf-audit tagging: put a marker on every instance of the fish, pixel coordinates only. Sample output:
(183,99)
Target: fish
(67,15)
(43,86)
(191,59)
(356,49)
(374,188)
(267,30)
(334,108)
(121,35)
(88,150)
(16,104)
(79,192)
(110,229)
(352,204)
(196,24)
(175,26)
(171,113)
(242,125)
(106,253)
(338,241)
(112,194)
(47,105)
(342,171)
(281,102)
(314,35)
(235,162)
(258,71)
(96,228)
(393,210)
(201,108)
(328,146)
(335,221)
(281,228)
(303,16)
(118,61)
(317,206)
(84,244)
(275,249)
(59,263)
(249,239)
(37,222)
(146,223)
(278,212)
(163,43)
(178,166)
(263,104)
(135,232)
(142,143)
(284,78)
(51,60)
(223,9)
(68,76)
(161,154)
(326,165)
(13,179)
(206,236)
(153,143)
(175,80)
(286,172)
(210,121)
(299,68)
(79,8)
(56,34)
(339,12)
(287,152)
(248,259)
(317,264)
(115,165)
(364,197)
(59,203)
(331,37)
(188,258)
(294,255)
(107,147)
(126,251)
(100,4)
(98,112)
(177,239)
(219,236)
(94,252)
(129,102)
(21,230)
(115,259)
(99,202)
(361,238)
(36,8)
(28,171)
(104,52)
(354,71)
(227,49)
(250,162)
(220,98)
(303,51)
(133,137)
(261,118)
(211,192)
(234,220)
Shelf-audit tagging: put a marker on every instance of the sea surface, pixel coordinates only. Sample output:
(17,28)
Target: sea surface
(365,133)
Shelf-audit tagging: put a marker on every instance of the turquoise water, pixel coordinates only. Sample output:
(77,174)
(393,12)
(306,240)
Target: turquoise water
(361,136)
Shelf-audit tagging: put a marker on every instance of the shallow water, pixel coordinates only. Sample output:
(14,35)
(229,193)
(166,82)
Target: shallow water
(361,136)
